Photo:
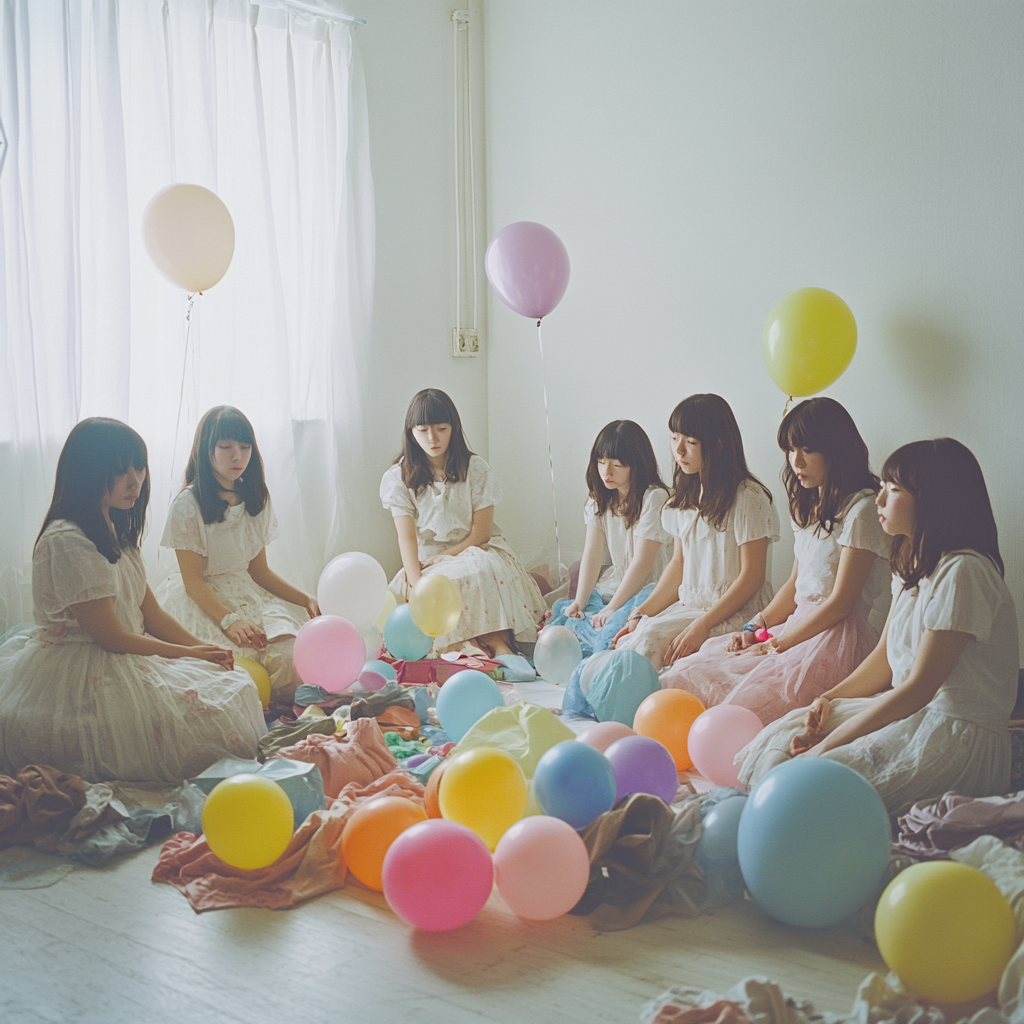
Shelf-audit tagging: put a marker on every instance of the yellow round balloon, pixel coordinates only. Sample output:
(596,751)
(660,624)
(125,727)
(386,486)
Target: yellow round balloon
(485,790)
(435,605)
(260,677)
(946,930)
(248,821)
(390,604)
(809,338)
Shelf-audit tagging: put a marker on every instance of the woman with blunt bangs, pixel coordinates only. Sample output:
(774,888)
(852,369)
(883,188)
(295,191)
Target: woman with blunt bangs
(108,685)
(927,712)
(819,617)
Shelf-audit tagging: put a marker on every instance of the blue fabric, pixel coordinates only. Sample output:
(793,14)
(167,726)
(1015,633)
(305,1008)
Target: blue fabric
(574,704)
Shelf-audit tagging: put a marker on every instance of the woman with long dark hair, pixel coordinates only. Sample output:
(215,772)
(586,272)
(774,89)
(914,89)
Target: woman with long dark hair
(927,711)
(819,617)
(108,685)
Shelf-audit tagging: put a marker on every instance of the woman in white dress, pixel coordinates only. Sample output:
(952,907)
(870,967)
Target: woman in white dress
(108,685)
(840,568)
(927,712)
(442,497)
(219,526)
(723,523)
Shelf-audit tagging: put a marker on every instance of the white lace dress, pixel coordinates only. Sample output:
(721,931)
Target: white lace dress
(711,563)
(227,549)
(960,741)
(67,702)
(497,592)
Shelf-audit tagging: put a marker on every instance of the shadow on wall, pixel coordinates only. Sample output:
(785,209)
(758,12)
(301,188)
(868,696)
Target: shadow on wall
(935,360)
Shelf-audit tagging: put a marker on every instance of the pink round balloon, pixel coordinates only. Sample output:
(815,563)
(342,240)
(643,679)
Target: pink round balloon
(717,736)
(541,868)
(604,734)
(528,266)
(329,653)
(437,875)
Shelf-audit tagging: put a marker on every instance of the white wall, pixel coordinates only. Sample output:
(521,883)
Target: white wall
(407,56)
(700,160)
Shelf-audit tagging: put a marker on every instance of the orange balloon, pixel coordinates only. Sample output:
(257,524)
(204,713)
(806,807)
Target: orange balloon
(666,716)
(432,798)
(371,830)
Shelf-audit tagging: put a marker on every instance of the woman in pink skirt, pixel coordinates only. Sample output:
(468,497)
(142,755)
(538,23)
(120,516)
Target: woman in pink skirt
(819,618)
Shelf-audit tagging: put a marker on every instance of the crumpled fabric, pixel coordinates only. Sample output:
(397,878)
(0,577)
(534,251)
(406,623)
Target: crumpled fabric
(643,863)
(523,731)
(931,828)
(360,755)
(39,801)
(287,734)
(311,865)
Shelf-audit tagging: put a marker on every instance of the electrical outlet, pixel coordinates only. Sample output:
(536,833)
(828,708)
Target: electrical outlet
(465,344)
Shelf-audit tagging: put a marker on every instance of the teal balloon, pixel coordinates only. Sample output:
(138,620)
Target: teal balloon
(718,841)
(813,842)
(403,638)
(464,699)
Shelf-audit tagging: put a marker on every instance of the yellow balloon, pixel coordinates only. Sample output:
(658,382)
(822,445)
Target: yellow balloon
(248,821)
(809,338)
(485,790)
(435,605)
(946,930)
(259,675)
(390,604)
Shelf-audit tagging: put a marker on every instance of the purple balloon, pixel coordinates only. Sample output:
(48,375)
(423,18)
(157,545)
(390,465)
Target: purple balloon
(642,765)
(528,266)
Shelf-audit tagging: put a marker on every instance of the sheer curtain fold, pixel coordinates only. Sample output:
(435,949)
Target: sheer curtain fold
(106,102)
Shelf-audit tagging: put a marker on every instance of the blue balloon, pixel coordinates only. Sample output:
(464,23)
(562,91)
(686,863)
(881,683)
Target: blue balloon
(464,699)
(718,841)
(813,842)
(403,638)
(575,782)
(617,684)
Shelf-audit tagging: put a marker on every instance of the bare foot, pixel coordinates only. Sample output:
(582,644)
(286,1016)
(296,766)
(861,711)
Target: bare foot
(495,643)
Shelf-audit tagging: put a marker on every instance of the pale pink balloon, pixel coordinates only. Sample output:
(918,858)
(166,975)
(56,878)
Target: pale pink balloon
(604,734)
(528,266)
(716,737)
(541,868)
(329,652)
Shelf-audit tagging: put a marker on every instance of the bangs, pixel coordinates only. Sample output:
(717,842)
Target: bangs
(612,443)
(897,471)
(127,451)
(429,408)
(687,419)
(230,424)
(800,430)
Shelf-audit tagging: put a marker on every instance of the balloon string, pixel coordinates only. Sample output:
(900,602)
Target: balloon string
(786,410)
(181,393)
(551,458)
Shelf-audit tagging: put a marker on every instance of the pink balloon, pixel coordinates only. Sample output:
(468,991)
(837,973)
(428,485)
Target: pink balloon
(717,736)
(541,867)
(528,266)
(604,734)
(329,652)
(437,875)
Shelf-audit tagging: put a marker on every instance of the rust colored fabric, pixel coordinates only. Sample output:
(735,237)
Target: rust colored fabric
(724,1011)
(40,801)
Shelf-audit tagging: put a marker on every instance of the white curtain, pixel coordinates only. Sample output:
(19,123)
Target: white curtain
(104,102)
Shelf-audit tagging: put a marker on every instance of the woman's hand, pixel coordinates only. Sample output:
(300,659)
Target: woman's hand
(688,642)
(245,634)
(814,722)
(574,611)
(763,648)
(222,656)
(628,628)
(312,608)
(741,641)
(600,620)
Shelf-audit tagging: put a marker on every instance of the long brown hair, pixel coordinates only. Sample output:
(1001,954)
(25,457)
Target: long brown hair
(98,450)
(428,408)
(709,419)
(952,510)
(224,423)
(823,425)
(626,442)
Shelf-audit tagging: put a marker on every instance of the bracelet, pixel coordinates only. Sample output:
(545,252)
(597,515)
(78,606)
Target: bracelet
(750,627)
(229,620)
(635,615)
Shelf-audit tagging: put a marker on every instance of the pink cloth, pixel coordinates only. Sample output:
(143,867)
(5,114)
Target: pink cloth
(724,1011)
(932,828)
(312,864)
(360,755)
(771,685)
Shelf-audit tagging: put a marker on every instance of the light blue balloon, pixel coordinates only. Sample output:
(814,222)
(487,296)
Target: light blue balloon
(575,782)
(718,841)
(382,668)
(619,683)
(464,699)
(813,842)
(403,638)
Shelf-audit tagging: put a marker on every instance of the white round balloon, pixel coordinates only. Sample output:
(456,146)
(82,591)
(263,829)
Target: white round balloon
(354,586)
(189,235)
(373,638)
(557,653)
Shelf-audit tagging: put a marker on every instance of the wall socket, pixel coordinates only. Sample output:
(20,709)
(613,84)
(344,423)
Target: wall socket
(465,344)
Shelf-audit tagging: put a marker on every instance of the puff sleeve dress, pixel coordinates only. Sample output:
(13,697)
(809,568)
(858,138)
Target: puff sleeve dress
(65,701)
(711,563)
(959,741)
(227,548)
(772,685)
